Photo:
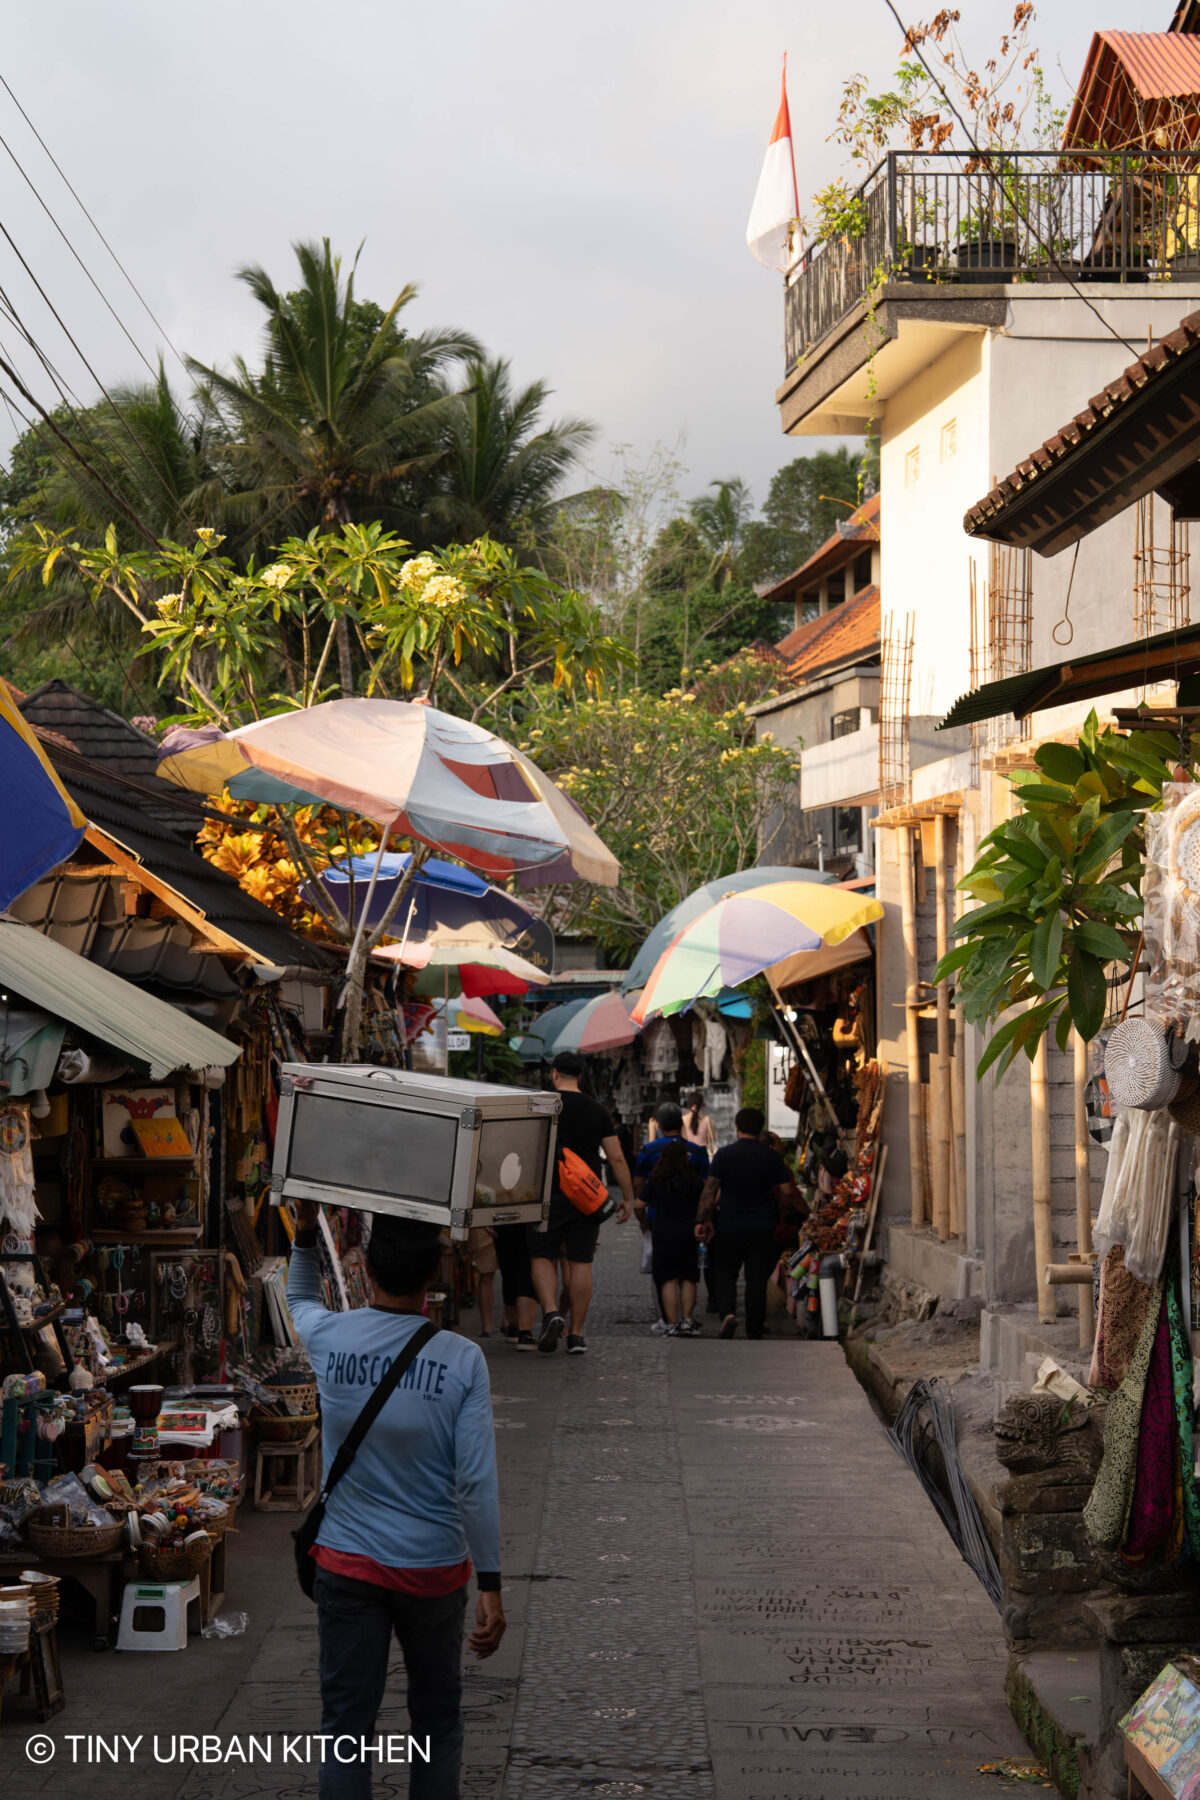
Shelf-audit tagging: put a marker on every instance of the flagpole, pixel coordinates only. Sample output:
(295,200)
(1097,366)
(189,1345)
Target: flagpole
(791,145)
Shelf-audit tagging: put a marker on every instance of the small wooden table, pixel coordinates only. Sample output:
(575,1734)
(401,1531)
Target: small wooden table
(298,1494)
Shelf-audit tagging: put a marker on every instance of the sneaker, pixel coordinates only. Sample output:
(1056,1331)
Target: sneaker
(659,1328)
(553,1326)
(673,1331)
(728,1327)
(524,1340)
(575,1345)
(509,1332)
(690,1328)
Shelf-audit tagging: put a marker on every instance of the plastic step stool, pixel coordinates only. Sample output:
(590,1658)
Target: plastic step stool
(154,1614)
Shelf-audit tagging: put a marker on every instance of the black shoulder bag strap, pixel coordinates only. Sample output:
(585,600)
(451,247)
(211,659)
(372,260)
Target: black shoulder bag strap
(305,1535)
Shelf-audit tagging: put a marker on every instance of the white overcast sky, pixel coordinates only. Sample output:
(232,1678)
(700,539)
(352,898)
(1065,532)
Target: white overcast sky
(569,182)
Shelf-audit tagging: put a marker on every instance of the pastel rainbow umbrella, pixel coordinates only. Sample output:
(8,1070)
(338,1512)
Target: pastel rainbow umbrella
(587,1026)
(745,934)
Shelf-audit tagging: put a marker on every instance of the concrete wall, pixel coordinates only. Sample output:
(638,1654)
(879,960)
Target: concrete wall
(925,493)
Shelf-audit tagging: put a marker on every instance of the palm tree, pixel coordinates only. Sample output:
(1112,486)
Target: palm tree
(346,415)
(721,518)
(502,465)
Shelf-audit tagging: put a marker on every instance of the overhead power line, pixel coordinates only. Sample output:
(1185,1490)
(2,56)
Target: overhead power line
(143,302)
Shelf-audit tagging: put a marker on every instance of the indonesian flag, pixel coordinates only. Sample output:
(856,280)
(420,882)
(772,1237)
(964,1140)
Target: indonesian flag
(776,203)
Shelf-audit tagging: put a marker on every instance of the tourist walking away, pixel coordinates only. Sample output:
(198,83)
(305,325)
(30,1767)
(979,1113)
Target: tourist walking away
(516,1287)
(698,1128)
(667,1127)
(669,1201)
(747,1184)
(416,1506)
(669,1120)
(585,1128)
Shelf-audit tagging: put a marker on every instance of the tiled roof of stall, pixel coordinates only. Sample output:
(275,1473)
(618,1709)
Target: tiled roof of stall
(845,634)
(95,730)
(1184,341)
(840,547)
(120,814)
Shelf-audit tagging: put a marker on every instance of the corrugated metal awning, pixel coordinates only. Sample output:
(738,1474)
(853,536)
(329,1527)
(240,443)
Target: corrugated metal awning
(105,1006)
(1168,656)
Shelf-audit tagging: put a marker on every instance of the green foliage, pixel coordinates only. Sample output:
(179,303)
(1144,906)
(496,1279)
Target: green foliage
(218,631)
(675,784)
(804,503)
(1060,891)
(841,212)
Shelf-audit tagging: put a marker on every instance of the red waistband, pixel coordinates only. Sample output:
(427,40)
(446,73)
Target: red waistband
(423,1583)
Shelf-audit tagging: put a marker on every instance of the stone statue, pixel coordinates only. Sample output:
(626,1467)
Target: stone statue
(1037,1432)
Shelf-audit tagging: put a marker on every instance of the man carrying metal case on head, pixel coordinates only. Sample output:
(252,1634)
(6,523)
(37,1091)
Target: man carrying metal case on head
(409,1500)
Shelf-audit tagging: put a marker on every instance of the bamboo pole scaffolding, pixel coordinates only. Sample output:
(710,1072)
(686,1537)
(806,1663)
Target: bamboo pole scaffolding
(1083,1190)
(912,1005)
(945,1210)
(1043,1229)
(958,1087)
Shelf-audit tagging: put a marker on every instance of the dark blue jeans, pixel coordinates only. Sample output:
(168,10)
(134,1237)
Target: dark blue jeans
(355,1621)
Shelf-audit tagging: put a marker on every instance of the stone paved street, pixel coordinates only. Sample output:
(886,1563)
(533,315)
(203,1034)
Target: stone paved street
(720,1580)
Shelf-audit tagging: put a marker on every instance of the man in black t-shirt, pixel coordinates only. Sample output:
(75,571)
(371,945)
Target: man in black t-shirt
(750,1181)
(584,1127)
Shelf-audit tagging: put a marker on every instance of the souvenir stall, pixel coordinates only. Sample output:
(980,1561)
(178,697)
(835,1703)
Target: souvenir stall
(110,1158)
(831,1102)
(1144,1503)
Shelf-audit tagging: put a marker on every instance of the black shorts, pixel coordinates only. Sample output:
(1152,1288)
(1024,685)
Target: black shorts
(674,1253)
(569,1233)
(512,1253)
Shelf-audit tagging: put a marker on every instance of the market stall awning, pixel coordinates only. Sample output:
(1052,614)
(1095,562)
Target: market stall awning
(105,1006)
(1139,434)
(1169,656)
(806,965)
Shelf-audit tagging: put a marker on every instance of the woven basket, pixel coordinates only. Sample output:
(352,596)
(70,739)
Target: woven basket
(1137,1066)
(216,1528)
(163,1564)
(55,1541)
(303,1390)
(284,1430)
(1185,1108)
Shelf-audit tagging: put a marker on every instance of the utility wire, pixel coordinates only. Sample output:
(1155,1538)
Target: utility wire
(984,154)
(80,413)
(83,359)
(159,327)
(102,623)
(138,351)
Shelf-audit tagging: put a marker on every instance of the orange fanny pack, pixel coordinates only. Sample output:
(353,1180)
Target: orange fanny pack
(581,1184)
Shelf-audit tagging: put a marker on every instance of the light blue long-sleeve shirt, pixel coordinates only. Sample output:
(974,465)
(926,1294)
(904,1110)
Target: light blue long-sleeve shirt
(422,1491)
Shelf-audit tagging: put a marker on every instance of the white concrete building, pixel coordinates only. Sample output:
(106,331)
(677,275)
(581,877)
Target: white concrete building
(960,377)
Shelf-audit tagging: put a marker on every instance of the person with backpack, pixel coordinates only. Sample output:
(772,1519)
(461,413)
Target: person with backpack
(388,1547)
(749,1182)
(573,1228)
(669,1198)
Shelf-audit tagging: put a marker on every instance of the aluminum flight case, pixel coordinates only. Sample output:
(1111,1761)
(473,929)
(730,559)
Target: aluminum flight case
(453,1153)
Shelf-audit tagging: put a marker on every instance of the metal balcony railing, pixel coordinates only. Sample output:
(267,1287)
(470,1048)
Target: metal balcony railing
(953,218)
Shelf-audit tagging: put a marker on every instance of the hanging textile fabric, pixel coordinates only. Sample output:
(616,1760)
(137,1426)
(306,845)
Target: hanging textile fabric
(18,1209)
(1138,1204)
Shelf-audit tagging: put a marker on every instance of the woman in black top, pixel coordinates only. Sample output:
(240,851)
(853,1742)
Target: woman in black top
(671,1197)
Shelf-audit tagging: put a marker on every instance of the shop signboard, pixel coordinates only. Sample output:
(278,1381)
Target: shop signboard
(780,1117)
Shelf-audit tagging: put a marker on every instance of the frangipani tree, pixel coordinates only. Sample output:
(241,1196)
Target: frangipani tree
(236,647)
